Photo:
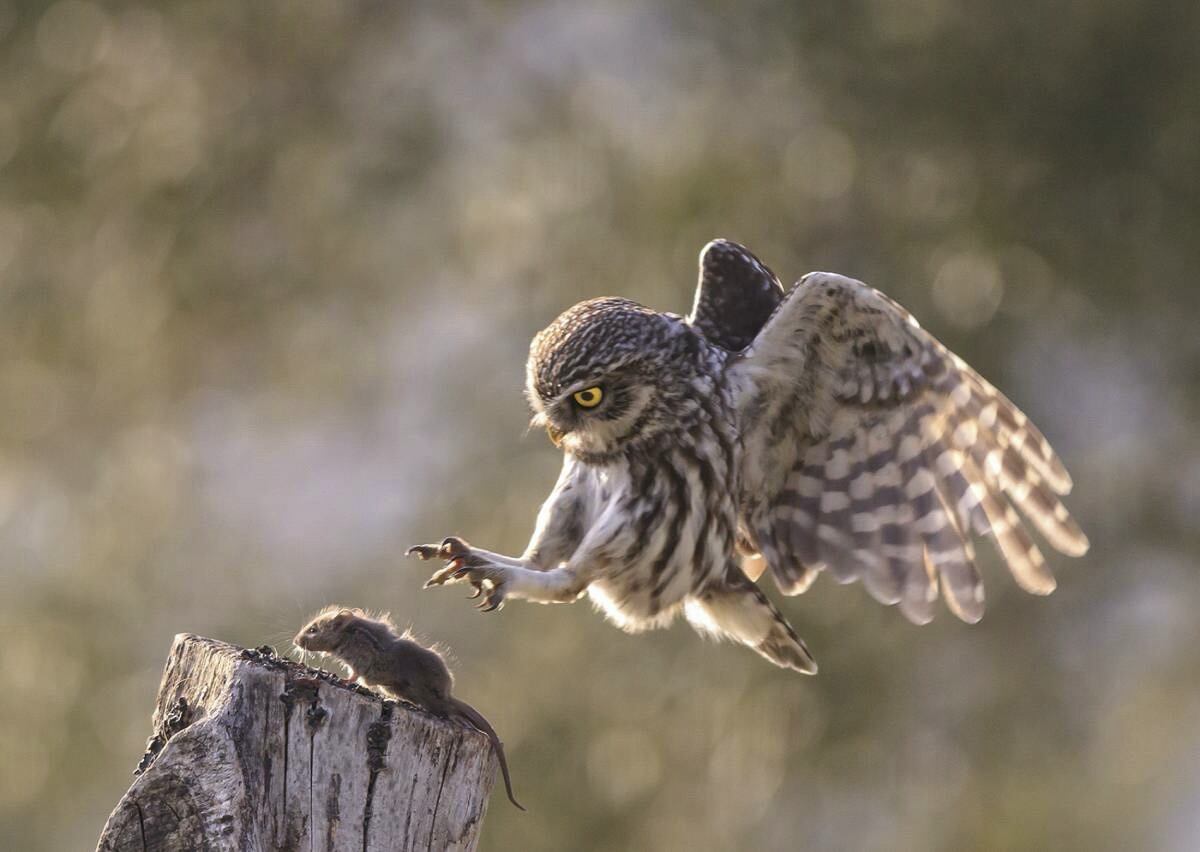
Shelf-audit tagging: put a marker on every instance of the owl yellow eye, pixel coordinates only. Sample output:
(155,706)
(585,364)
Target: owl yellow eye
(588,398)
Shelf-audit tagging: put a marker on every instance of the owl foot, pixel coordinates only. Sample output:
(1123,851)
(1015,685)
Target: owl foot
(456,553)
(452,547)
(462,563)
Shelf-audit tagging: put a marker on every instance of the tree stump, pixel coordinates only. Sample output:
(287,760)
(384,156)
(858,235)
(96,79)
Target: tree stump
(254,753)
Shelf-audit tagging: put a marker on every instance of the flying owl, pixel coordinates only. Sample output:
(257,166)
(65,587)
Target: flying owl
(821,429)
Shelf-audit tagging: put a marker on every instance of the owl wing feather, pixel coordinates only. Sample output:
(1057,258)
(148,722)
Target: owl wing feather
(735,296)
(873,451)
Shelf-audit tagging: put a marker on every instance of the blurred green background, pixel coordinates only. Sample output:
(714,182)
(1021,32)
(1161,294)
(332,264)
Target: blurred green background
(268,272)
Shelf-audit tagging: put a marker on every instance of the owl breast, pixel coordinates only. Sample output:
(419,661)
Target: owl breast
(667,520)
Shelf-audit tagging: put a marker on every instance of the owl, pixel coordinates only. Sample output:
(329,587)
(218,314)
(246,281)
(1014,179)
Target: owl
(821,429)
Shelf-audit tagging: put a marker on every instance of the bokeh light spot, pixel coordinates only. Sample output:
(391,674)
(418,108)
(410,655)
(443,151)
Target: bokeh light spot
(820,164)
(967,289)
(72,35)
(623,764)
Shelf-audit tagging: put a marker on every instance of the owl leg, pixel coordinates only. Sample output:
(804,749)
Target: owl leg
(500,577)
(737,609)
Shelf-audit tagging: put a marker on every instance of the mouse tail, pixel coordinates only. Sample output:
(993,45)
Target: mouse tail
(476,720)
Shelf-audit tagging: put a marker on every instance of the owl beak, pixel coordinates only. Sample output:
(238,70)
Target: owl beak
(556,435)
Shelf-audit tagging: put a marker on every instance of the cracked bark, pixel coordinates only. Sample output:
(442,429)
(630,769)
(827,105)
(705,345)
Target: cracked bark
(254,753)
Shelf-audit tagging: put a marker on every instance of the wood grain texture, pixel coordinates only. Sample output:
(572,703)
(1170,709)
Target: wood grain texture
(252,753)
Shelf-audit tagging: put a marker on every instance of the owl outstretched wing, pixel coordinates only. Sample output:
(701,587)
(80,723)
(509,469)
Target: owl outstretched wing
(873,451)
(735,296)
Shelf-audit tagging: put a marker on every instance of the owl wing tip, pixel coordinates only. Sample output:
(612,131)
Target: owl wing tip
(1079,546)
(1044,590)
(735,295)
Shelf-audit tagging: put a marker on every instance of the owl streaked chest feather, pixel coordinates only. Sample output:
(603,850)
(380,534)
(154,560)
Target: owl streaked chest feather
(663,516)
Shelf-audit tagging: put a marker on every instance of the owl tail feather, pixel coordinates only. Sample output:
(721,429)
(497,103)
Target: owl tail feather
(738,610)
(787,650)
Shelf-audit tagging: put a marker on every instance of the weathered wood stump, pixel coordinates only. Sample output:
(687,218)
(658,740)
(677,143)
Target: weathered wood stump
(252,752)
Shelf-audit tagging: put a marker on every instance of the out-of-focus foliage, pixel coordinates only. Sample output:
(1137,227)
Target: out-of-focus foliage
(267,274)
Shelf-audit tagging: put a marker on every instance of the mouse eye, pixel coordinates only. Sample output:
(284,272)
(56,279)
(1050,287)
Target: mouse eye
(588,397)
(312,629)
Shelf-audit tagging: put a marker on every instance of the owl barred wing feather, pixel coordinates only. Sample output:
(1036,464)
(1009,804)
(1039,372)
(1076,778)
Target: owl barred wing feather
(873,451)
(735,296)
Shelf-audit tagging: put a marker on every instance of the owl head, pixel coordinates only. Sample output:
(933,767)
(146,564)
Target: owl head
(609,375)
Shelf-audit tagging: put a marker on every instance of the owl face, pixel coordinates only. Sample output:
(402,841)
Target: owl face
(603,375)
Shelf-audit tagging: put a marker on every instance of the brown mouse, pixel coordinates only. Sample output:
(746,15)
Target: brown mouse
(380,657)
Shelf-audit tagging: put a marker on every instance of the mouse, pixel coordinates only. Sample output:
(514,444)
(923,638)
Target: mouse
(382,658)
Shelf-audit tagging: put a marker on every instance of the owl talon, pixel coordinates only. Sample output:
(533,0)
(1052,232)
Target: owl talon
(444,575)
(452,547)
(462,564)
(493,601)
(423,551)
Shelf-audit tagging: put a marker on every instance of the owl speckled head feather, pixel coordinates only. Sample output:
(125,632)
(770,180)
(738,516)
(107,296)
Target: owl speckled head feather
(610,373)
(595,335)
